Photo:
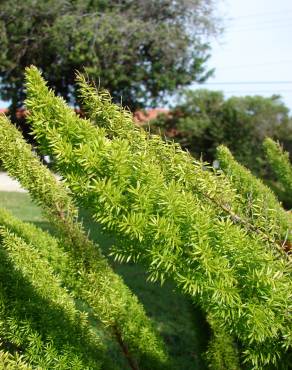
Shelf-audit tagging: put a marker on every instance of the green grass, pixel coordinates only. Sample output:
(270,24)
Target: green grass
(21,206)
(179,322)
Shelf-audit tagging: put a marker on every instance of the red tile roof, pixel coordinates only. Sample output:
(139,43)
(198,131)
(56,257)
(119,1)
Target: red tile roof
(140,117)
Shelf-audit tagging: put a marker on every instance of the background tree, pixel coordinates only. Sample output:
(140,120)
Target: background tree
(139,50)
(205,119)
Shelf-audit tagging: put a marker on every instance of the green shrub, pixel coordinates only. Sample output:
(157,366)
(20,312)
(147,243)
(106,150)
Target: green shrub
(256,202)
(10,362)
(280,163)
(37,314)
(220,235)
(178,224)
(89,274)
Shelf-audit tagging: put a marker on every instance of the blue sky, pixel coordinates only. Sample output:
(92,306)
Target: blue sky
(255,47)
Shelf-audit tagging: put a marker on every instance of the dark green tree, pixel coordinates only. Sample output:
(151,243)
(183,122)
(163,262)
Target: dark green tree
(205,119)
(139,50)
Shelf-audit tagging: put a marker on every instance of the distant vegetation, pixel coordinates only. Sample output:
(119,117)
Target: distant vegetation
(205,119)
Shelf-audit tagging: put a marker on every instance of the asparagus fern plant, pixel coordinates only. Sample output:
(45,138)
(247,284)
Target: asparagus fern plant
(86,271)
(280,163)
(217,234)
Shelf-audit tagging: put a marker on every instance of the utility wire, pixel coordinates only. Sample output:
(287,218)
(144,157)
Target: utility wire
(248,83)
(279,24)
(256,22)
(275,92)
(263,28)
(259,14)
(254,65)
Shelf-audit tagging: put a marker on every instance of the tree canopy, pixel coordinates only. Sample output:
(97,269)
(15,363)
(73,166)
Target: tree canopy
(141,51)
(205,119)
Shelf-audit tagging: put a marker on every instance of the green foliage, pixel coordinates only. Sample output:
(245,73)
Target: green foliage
(118,43)
(38,316)
(222,353)
(46,245)
(10,362)
(180,323)
(256,202)
(205,119)
(229,268)
(118,122)
(114,305)
(211,186)
(280,163)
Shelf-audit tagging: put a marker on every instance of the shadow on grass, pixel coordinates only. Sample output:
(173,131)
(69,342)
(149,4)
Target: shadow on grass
(181,324)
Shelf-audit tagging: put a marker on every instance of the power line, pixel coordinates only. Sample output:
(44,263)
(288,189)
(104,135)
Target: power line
(280,22)
(248,83)
(260,14)
(275,92)
(263,28)
(282,93)
(256,22)
(271,91)
(254,65)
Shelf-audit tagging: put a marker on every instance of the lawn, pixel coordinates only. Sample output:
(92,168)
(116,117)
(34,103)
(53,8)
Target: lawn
(179,322)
